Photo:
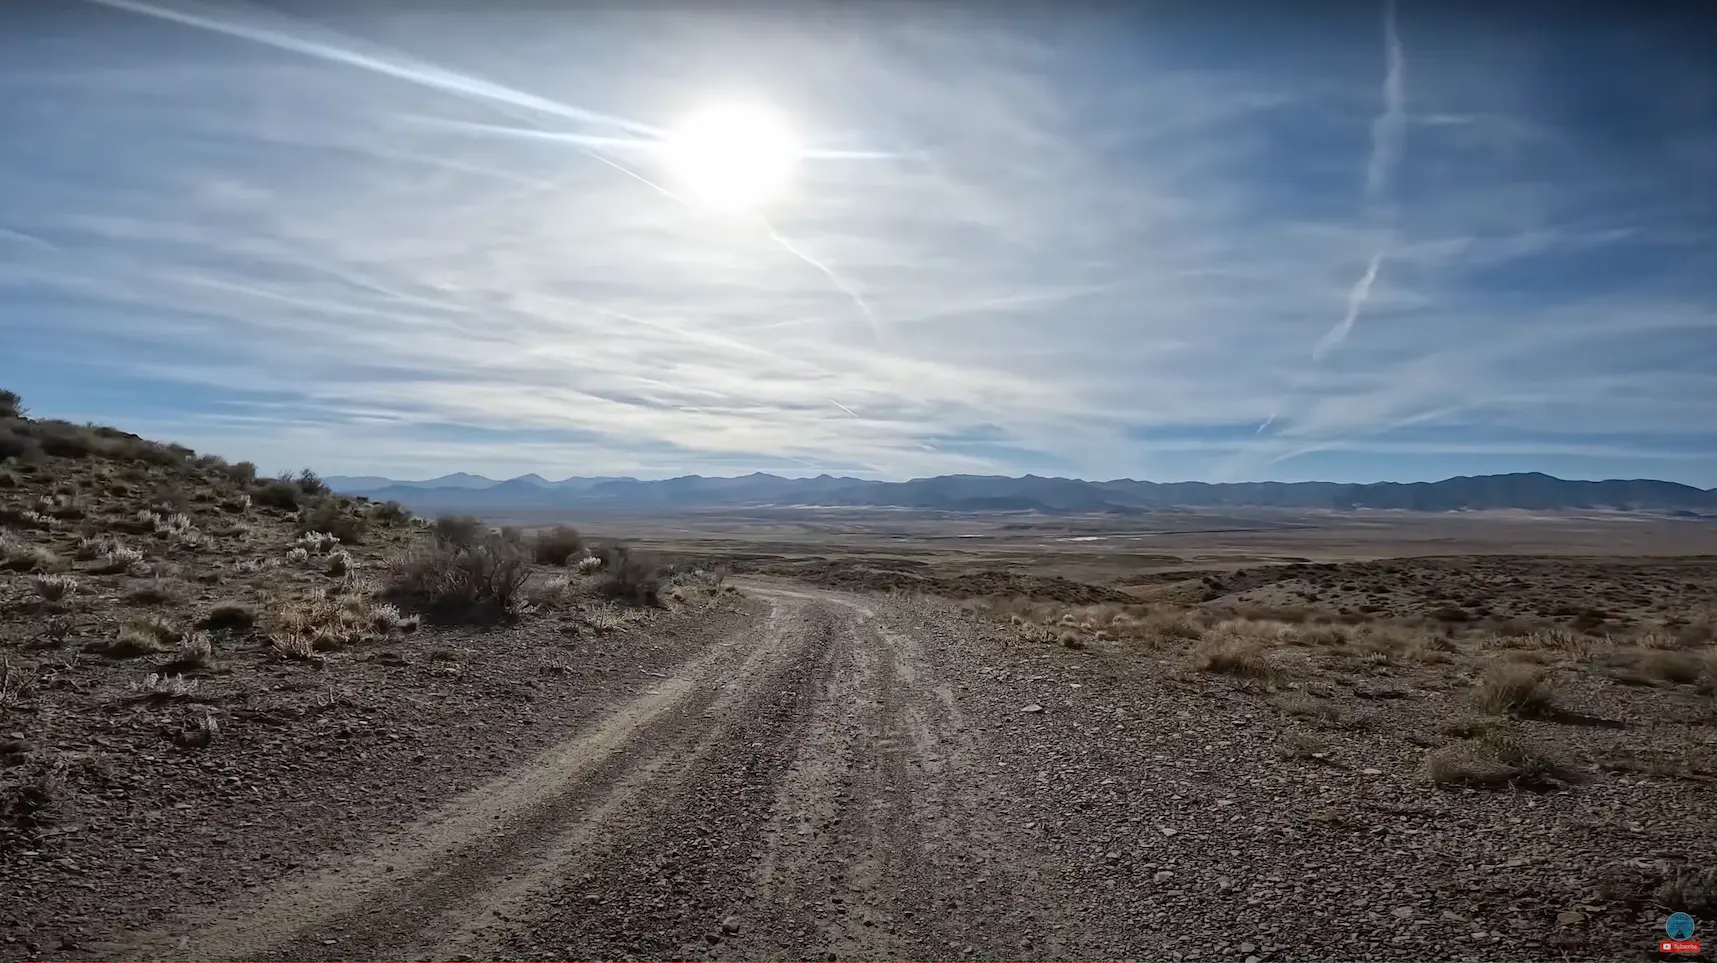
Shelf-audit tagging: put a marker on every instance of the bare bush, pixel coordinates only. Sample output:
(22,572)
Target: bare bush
(628,577)
(390,513)
(279,493)
(53,588)
(1515,690)
(449,580)
(1495,760)
(458,531)
(558,545)
(329,516)
(1243,658)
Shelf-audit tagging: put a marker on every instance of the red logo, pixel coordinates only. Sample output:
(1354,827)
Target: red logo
(1678,946)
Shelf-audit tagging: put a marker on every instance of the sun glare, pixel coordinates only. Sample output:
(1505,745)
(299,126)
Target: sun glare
(731,158)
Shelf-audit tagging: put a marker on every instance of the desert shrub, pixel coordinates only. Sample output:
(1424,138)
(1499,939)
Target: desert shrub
(14,444)
(1495,760)
(310,483)
(119,560)
(557,545)
(229,617)
(194,651)
(11,405)
(327,624)
(328,516)
(628,577)
(390,513)
(279,493)
(1244,658)
(141,637)
(455,581)
(241,473)
(1677,667)
(54,588)
(1515,690)
(458,531)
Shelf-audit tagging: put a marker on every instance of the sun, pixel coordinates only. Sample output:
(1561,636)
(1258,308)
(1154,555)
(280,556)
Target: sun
(732,157)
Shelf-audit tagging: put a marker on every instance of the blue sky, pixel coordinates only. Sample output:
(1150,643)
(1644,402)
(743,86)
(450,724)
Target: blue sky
(1105,240)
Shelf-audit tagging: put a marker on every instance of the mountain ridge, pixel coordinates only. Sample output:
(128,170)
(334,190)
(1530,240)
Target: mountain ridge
(1031,493)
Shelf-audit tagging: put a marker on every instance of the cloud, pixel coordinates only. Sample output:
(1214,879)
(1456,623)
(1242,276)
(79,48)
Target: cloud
(1099,249)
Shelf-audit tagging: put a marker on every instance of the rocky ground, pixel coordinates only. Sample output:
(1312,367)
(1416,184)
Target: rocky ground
(220,740)
(821,775)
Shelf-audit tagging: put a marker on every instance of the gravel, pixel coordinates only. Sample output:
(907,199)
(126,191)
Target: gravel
(822,775)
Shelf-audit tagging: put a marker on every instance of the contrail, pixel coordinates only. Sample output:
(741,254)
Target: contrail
(1355,302)
(627,143)
(423,74)
(828,272)
(1388,129)
(1388,132)
(843,408)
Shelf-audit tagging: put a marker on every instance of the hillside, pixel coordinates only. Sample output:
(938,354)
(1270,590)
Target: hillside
(189,652)
(988,493)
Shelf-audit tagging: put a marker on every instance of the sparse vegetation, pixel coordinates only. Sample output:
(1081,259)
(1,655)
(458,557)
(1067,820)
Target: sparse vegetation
(1515,690)
(1495,759)
(229,617)
(461,575)
(329,517)
(557,545)
(628,577)
(1240,657)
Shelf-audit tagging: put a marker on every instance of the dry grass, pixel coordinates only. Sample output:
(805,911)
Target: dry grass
(323,624)
(140,637)
(1515,690)
(229,617)
(1496,759)
(1240,657)
(1677,667)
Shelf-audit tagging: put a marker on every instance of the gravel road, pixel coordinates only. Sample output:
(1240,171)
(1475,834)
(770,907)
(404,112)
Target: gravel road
(859,777)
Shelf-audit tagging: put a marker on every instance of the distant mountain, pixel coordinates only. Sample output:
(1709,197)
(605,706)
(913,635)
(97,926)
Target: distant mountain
(995,493)
(360,483)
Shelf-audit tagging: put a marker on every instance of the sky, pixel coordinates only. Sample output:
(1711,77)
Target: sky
(1167,241)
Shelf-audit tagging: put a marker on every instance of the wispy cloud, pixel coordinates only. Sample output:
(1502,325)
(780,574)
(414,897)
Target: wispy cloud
(424,241)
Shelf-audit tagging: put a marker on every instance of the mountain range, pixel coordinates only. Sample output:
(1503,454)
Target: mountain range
(994,493)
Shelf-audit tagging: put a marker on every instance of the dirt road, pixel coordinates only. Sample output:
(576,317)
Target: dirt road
(854,777)
(807,788)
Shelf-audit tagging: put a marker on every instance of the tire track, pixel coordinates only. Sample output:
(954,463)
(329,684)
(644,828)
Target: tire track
(431,878)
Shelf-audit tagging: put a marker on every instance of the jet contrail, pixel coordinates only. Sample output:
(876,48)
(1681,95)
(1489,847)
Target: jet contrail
(423,74)
(1355,302)
(1388,129)
(828,272)
(843,407)
(1387,134)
